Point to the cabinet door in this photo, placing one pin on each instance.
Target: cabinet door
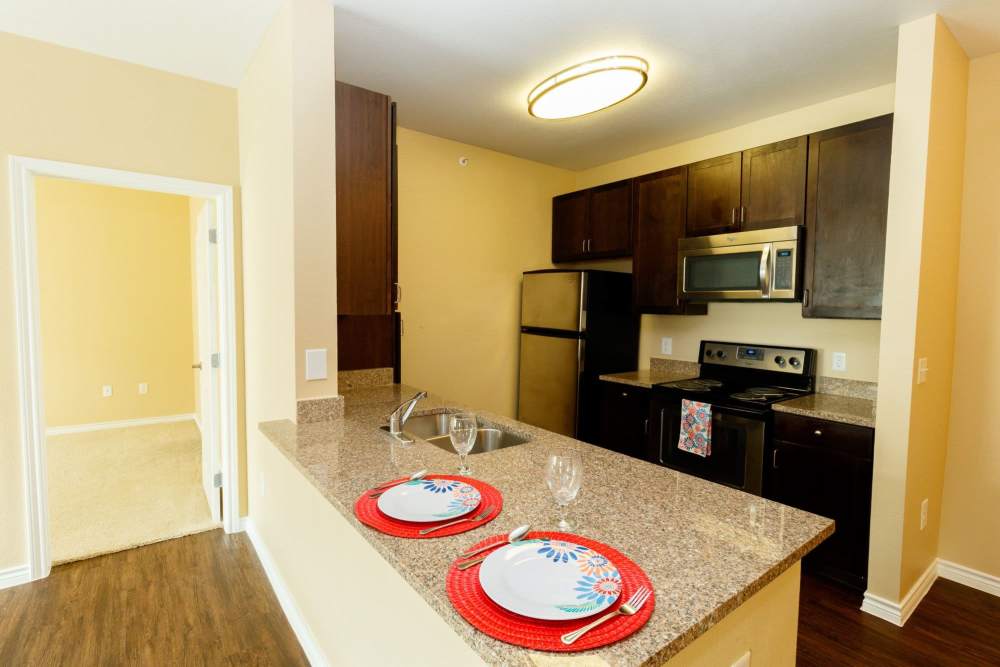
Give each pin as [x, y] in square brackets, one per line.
[714, 195]
[658, 223]
[847, 198]
[833, 485]
[774, 185]
[623, 418]
[364, 226]
[570, 214]
[610, 220]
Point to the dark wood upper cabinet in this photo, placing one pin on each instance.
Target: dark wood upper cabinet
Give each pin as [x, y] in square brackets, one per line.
[847, 198]
[593, 223]
[367, 324]
[570, 226]
[659, 213]
[714, 195]
[611, 219]
[774, 185]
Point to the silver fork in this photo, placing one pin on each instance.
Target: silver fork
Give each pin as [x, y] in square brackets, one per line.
[479, 517]
[633, 605]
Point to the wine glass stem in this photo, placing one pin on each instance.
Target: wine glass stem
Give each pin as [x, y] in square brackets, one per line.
[461, 464]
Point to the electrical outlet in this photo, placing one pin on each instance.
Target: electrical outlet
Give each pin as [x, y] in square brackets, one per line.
[666, 345]
[921, 370]
[744, 660]
[839, 361]
[923, 513]
[106, 391]
[143, 388]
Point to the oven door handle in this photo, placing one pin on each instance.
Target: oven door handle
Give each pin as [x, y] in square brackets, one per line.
[737, 411]
[765, 271]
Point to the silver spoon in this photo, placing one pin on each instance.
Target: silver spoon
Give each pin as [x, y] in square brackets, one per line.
[420, 474]
[513, 536]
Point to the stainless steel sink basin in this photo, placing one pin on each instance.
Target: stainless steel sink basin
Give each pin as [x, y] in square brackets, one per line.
[434, 429]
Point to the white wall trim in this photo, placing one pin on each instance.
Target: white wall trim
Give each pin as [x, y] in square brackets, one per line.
[123, 423]
[23, 171]
[981, 581]
[295, 618]
[900, 613]
[15, 576]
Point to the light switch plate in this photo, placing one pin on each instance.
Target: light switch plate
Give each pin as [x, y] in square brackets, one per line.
[923, 513]
[744, 660]
[316, 364]
[106, 391]
[840, 361]
[921, 370]
[143, 388]
[666, 345]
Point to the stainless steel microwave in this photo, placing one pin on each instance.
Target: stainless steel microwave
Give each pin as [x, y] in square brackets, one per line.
[759, 265]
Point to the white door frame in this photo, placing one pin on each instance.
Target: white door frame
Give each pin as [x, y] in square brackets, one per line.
[23, 172]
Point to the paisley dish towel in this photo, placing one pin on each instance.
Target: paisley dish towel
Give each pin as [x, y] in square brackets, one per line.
[696, 428]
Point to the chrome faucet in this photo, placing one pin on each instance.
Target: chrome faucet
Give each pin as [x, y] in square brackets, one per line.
[402, 413]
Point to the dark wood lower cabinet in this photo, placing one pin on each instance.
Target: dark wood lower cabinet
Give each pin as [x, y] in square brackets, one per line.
[623, 418]
[825, 468]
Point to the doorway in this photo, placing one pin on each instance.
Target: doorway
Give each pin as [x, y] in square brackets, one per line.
[211, 279]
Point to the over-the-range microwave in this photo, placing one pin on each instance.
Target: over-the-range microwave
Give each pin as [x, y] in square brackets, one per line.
[758, 265]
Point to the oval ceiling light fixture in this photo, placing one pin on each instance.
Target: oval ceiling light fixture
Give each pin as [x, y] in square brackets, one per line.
[588, 87]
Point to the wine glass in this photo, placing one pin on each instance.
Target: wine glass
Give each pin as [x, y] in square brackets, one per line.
[463, 429]
[564, 476]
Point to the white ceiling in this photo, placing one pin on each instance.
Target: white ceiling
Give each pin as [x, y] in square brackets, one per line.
[462, 69]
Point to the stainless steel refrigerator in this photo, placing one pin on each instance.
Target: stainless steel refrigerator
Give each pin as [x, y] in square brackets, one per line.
[575, 326]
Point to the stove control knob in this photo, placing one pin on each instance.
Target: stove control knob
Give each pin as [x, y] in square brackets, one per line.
[721, 354]
[780, 361]
[708, 354]
[794, 362]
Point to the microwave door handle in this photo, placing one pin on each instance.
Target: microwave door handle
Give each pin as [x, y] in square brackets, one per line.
[765, 271]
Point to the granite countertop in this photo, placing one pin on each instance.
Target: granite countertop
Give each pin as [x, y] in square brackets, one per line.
[844, 409]
[707, 548]
[647, 377]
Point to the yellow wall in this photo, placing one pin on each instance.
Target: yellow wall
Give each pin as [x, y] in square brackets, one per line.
[465, 236]
[925, 189]
[68, 105]
[114, 273]
[195, 206]
[970, 526]
[754, 322]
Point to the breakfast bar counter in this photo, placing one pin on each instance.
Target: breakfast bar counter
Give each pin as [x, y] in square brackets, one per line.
[708, 550]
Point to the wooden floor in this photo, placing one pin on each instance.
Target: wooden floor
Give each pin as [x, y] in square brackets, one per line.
[197, 600]
[205, 600]
[954, 625]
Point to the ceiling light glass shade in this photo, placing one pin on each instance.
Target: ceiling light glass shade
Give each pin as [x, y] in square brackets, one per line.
[588, 87]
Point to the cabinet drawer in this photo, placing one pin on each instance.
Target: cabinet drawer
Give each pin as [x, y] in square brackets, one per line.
[847, 438]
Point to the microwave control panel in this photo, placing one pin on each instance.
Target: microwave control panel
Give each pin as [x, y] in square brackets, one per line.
[784, 269]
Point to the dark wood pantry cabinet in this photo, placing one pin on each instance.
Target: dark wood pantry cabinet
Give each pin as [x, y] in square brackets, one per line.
[825, 467]
[847, 202]
[658, 223]
[592, 224]
[367, 321]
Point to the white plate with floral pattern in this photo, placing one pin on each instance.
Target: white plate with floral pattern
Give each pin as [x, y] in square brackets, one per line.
[550, 579]
[427, 500]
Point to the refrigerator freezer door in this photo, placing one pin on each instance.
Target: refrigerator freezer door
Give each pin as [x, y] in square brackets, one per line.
[550, 379]
[554, 300]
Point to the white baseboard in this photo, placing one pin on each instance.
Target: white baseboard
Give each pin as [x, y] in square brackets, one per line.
[981, 581]
[899, 613]
[299, 626]
[124, 423]
[15, 576]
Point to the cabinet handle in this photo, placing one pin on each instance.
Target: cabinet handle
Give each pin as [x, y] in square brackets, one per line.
[774, 459]
[732, 216]
[805, 300]
[743, 214]
[645, 426]
[583, 245]
[818, 432]
[399, 293]
[625, 394]
[589, 242]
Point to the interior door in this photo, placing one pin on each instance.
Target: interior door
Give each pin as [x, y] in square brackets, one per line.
[206, 297]
[549, 382]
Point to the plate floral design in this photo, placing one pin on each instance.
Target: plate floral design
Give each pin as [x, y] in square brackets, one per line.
[438, 485]
[561, 552]
[599, 583]
[430, 500]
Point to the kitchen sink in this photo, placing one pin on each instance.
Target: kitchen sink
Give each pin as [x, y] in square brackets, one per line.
[434, 429]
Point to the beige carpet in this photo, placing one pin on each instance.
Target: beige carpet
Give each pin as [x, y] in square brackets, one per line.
[121, 488]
